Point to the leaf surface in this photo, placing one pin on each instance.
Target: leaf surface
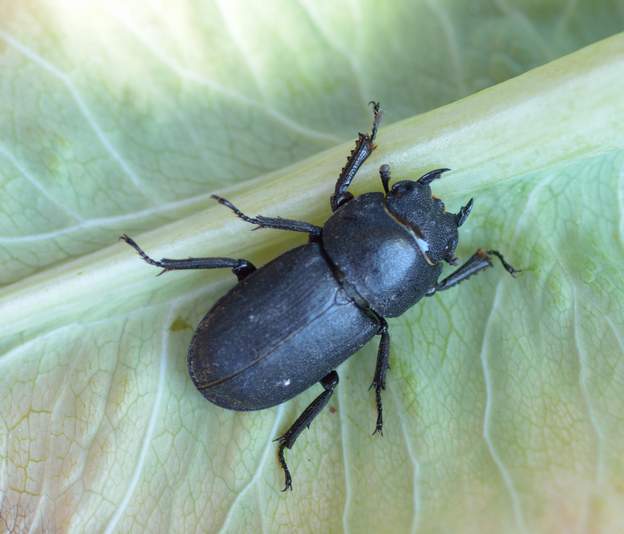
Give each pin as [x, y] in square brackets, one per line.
[503, 405]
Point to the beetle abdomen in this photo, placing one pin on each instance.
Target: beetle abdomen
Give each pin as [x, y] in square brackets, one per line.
[276, 333]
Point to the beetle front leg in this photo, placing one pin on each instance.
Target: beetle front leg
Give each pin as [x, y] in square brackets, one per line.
[287, 440]
[381, 368]
[363, 148]
[478, 262]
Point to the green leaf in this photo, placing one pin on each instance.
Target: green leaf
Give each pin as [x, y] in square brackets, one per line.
[121, 118]
[503, 405]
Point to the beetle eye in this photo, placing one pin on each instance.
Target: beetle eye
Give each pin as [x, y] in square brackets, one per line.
[451, 244]
[402, 187]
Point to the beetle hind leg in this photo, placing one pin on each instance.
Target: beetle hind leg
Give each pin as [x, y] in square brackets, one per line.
[241, 268]
[381, 368]
[287, 440]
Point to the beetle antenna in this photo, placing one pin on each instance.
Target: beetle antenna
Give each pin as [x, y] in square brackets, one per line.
[384, 174]
[429, 177]
[463, 213]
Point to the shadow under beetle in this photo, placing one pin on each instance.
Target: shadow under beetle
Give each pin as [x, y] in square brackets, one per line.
[290, 323]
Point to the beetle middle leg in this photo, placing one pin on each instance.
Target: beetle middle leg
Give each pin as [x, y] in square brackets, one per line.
[478, 262]
[287, 440]
[363, 148]
[381, 368]
[272, 222]
[241, 268]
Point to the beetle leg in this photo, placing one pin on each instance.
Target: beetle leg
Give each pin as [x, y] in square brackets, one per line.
[287, 440]
[478, 262]
[272, 222]
[241, 268]
[363, 147]
[379, 380]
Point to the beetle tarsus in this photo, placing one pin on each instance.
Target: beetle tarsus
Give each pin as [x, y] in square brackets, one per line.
[478, 262]
[379, 423]
[377, 116]
[282, 461]
[139, 250]
[507, 266]
[364, 146]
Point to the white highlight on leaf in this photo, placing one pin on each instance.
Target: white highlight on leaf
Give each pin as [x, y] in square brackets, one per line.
[454, 47]
[584, 385]
[620, 199]
[599, 474]
[514, 12]
[16, 352]
[487, 375]
[616, 333]
[232, 25]
[193, 76]
[4, 459]
[82, 106]
[151, 425]
[487, 417]
[311, 11]
[108, 221]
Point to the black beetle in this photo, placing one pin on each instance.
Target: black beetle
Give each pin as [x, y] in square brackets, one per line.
[289, 324]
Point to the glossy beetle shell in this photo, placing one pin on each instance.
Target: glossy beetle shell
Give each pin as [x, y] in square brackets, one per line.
[276, 333]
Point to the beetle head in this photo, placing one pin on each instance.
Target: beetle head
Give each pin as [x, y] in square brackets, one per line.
[436, 229]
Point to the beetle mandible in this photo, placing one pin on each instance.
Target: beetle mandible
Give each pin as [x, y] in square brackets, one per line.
[290, 324]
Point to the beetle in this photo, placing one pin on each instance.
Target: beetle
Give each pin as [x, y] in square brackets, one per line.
[289, 324]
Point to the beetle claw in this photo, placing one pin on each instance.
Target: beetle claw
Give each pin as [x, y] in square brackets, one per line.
[507, 266]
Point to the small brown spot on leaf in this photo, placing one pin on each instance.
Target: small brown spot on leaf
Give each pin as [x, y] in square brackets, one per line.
[332, 409]
[180, 324]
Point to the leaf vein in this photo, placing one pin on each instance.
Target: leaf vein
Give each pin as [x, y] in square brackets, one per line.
[82, 106]
[192, 76]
